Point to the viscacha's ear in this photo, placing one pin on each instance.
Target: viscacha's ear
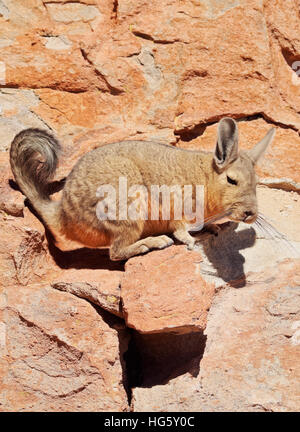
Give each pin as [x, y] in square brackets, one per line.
[259, 149]
[227, 143]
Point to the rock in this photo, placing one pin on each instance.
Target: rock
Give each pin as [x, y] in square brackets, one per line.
[71, 12]
[11, 201]
[11, 204]
[284, 34]
[236, 77]
[286, 184]
[44, 68]
[160, 73]
[60, 353]
[101, 287]
[24, 252]
[281, 209]
[172, 298]
[250, 358]
[57, 43]
[4, 11]
[57, 352]
[16, 114]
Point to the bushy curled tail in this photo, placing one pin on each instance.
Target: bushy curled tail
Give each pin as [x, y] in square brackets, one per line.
[34, 158]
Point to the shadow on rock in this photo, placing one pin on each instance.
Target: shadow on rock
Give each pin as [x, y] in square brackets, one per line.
[83, 258]
[155, 359]
[223, 253]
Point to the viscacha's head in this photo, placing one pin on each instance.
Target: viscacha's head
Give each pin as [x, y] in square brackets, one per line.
[234, 175]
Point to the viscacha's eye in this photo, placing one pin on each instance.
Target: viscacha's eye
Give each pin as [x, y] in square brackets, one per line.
[231, 180]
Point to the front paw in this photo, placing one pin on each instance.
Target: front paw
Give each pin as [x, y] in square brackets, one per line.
[190, 245]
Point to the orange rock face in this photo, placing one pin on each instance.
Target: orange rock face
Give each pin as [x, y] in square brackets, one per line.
[60, 354]
[173, 277]
[250, 358]
[99, 71]
[115, 70]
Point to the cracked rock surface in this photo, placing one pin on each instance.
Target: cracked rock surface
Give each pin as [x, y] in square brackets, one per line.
[217, 328]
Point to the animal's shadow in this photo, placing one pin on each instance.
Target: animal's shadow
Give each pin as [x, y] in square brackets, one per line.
[223, 253]
[83, 258]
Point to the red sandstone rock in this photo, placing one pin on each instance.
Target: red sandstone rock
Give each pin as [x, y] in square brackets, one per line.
[24, 253]
[101, 72]
[101, 287]
[250, 361]
[164, 291]
[58, 353]
[11, 201]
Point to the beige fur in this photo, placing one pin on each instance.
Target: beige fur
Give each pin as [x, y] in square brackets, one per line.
[34, 158]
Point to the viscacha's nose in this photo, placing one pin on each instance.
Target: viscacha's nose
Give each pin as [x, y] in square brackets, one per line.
[248, 215]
